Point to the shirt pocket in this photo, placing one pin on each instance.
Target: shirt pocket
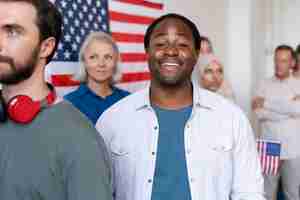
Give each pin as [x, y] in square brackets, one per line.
[221, 155]
[221, 164]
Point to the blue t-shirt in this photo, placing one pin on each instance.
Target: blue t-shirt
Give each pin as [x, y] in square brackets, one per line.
[91, 104]
[170, 177]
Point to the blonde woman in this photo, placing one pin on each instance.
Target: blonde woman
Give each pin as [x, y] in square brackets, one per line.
[98, 71]
[211, 76]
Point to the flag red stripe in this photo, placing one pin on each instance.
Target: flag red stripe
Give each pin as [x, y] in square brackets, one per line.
[133, 57]
[121, 17]
[64, 80]
[133, 77]
[60, 80]
[144, 3]
[127, 37]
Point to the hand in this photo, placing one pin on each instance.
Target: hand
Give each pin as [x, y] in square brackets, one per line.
[296, 98]
[258, 103]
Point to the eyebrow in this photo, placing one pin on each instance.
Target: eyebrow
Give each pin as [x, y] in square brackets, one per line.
[15, 26]
[164, 34]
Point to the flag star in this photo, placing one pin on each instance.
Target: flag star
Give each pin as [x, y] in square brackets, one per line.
[72, 30]
[67, 54]
[55, 55]
[99, 18]
[76, 23]
[89, 2]
[79, 1]
[90, 17]
[98, 4]
[68, 38]
[96, 26]
[94, 10]
[103, 12]
[82, 31]
[74, 47]
[66, 21]
[63, 4]
[85, 8]
[86, 24]
[104, 27]
[70, 13]
[80, 15]
[60, 46]
[77, 39]
[74, 5]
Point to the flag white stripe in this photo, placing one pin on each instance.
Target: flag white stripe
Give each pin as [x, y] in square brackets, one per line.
[122, 27]
[134, 9]
[131, 47]
[134, 67]
[62, 67]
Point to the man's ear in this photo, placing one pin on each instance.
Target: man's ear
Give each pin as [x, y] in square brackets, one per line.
[47, 47]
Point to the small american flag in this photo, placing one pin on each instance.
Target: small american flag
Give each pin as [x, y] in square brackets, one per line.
[125, 20]
[269, 154]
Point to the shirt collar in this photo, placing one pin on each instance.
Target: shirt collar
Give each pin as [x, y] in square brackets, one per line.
[201, 98]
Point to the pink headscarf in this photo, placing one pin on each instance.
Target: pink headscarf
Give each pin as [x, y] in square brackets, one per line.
[203, 62]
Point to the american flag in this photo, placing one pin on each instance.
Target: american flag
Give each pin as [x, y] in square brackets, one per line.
[125, 20]
[269, 154]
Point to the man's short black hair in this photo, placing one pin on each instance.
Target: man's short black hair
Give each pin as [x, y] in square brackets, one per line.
[287, 48]
[189, 23]
[49, 21]
[297, 49]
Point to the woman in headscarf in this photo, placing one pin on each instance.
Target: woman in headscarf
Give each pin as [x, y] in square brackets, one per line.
[98, 71]
[211, 76]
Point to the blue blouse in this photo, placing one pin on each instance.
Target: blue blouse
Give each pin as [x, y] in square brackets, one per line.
[92, 105]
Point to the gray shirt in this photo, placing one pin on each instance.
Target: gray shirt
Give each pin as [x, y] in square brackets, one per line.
[58, 156]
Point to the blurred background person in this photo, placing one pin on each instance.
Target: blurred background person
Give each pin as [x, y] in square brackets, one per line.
[98, 71]
[296, 71]
[211, 76]
[206, 46]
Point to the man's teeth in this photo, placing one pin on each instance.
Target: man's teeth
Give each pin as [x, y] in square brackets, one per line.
[171, 64]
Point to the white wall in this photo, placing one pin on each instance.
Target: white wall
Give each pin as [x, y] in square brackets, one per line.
[209, 16]
[236, 30]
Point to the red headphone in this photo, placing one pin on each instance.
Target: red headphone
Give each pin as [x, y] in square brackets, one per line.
[22, 109]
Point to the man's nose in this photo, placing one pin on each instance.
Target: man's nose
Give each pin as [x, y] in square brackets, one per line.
[172, 50]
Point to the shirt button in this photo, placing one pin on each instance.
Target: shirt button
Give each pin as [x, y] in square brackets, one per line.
[188, 151]
[192, 180]
[149, 180]
[156, 128]
[188, 126]
[153, 153]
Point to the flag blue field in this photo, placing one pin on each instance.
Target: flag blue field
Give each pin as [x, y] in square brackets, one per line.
[269, 154]
[125, 20]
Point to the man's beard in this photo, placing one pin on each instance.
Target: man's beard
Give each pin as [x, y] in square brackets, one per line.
[19, 72]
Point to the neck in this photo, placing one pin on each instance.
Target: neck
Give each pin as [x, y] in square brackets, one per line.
[101, 89]
[282, 78]
[297, 74]
[34, 87]
[172, 97]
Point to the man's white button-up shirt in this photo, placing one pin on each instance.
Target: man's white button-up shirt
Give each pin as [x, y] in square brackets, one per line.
[221, 155]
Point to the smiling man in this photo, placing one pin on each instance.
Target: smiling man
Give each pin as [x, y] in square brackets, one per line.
[174, 140]
[48, 150]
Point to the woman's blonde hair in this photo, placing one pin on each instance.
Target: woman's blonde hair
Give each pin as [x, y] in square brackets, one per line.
[81, 74]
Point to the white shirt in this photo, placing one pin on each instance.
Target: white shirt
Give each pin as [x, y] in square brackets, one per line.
[280, 116]
[220, 149]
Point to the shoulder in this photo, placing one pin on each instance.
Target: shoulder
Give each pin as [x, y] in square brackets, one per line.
[123, 108]
[224, 115]
[121, 92]
[81, 90]
[65, 116]
[221, 107]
